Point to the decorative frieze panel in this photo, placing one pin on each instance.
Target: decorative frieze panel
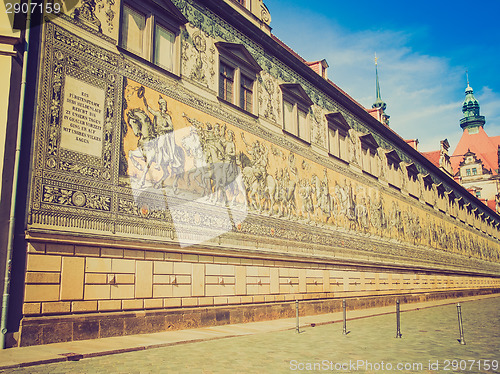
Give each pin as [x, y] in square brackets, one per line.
[100, 17]
[126, 153]
[269, 97]
[199, 58]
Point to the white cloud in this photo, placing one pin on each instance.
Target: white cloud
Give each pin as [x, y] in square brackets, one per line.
[423, 93]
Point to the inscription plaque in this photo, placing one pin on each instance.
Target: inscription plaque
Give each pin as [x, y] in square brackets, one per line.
[83, 117]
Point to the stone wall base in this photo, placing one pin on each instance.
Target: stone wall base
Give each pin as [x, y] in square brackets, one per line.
[55, 329]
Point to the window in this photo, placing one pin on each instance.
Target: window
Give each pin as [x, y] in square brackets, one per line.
[246, 92]
[428, 194]
[474, 171]
[393, 174]
[296, 105]
[369, 155]
[412, 185]
[295, 120]
[237, 75]
[303, 130]
[134, 31]
[338, 128]
[467, 172]
[226, 82]
[152, 33]
[478, 194]
[164, 48]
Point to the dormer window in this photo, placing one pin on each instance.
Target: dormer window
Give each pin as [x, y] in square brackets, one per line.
[369, 157]
[151, 31]
[338, 130]
[320, 67]
[393, 163]
[412, 185]
[237, 75]
[296, 105]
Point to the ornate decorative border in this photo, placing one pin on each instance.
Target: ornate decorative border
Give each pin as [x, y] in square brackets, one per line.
[82, 192]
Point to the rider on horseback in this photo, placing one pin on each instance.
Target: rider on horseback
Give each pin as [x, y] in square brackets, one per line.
[164, 130]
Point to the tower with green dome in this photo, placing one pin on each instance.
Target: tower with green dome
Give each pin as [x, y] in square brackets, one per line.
[472, 119]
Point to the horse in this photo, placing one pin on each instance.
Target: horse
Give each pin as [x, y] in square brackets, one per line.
[260, 187]
[176, 171]
[142, 127]
[147, 150]
[202, 169]
[285, 194]
[324, 200]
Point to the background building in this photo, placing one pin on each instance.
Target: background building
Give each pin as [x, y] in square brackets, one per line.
[476, 157]
[187, 168]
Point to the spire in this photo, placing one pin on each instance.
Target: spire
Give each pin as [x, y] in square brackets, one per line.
[470, 108]
[379, 103]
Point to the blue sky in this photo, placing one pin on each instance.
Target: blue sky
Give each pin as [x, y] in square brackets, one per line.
[423, 50]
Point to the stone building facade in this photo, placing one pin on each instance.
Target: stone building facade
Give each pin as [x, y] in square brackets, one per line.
[188, 169]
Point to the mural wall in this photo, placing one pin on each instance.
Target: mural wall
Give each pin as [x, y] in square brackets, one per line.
[148, 192]
[173, 148]
[127, 152]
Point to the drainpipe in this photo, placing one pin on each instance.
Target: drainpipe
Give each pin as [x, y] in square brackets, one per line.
[10, 242]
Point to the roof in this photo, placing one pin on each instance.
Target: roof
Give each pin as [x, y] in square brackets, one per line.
[432, 156]
[492, 204]
[370, 111]
[482, 145]
[295, 54]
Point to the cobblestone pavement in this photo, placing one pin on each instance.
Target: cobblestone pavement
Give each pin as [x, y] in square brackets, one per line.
[428, 345]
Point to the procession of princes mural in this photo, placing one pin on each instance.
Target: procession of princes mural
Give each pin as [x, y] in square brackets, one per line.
[195, 156]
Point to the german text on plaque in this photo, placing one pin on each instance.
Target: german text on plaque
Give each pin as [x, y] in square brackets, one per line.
[82, 117]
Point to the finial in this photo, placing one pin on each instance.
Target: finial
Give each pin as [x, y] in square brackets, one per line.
[379, 103]
[468, 88]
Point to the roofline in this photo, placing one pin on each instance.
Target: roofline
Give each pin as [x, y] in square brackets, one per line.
[275, 47]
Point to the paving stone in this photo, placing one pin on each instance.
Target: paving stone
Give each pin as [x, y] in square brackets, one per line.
[429, 338]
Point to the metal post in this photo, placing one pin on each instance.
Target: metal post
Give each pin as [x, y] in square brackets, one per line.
[460, 325]
[297, 316]
[15, 178]
[344, 330]
[398, 321]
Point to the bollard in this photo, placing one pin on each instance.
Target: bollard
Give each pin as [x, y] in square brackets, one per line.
[461, 340]
[398, 321]
[344, 331]
[297, 316]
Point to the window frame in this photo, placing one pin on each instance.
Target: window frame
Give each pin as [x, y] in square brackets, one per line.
[294, 94]
[338, 132]
[244, 91]
[224, 78]
[245, 68]
[370, 161]
[412, 184]
[394, 166]
[157, 14]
